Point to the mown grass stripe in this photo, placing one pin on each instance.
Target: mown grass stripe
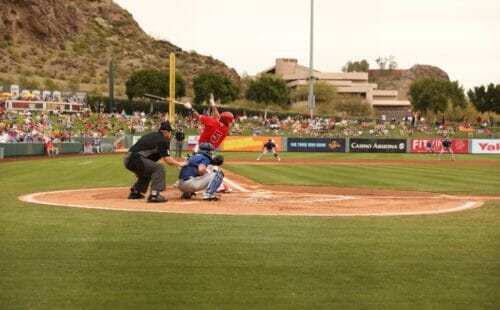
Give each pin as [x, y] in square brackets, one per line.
[434, 178]
[55, 258]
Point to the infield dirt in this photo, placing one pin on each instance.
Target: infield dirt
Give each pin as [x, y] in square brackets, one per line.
[250, 198]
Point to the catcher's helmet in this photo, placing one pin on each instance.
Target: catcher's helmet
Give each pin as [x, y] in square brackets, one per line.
[226, 118]
[206, 148]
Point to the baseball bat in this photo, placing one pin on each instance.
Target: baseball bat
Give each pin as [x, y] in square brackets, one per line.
[156, 97]
[162, 98]
[210, 105]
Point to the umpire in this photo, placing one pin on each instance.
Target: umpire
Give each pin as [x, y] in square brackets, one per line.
[142, 159]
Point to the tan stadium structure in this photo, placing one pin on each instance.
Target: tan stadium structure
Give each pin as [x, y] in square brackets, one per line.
[354, 83]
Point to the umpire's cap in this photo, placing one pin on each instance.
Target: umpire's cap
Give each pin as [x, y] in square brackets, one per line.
[166, 126]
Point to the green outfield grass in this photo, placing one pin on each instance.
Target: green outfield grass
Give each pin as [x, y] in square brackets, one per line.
[56, 257]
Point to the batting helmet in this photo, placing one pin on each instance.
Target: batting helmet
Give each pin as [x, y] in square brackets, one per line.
[226, 118]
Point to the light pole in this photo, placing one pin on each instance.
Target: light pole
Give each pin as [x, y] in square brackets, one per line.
[111, 74]
[310, 98]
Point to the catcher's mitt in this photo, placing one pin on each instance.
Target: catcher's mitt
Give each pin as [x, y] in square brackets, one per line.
[218, 160]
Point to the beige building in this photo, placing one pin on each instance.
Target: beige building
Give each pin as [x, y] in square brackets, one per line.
[382, 101]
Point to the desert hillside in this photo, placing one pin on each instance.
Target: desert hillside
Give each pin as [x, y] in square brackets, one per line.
[401, 80]
[68, 44]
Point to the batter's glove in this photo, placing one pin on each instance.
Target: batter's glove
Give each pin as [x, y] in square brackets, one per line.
[212, 101]
[218, 160]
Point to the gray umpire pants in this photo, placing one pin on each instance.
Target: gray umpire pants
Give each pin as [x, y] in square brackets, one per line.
[153, 173]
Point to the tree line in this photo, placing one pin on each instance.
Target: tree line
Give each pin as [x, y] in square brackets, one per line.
[426, 95]
[266, 89]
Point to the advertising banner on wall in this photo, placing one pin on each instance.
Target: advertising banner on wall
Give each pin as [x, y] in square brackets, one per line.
[485, 146]
[315, 145]
[249, 144]
[377, 145]
[458, 146]
[192, 142]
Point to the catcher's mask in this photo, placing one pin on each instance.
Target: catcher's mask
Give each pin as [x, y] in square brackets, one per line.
[206, 148]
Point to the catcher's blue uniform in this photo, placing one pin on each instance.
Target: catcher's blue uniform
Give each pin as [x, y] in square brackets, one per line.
[190, 179]
[191, 169]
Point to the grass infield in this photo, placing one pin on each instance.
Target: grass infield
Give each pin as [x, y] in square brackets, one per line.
[56, 257]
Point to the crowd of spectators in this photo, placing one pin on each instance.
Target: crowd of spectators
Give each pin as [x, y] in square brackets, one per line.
[329, 127]
[52, 97]
[43, 126]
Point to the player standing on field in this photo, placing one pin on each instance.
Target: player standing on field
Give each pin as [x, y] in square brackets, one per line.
[179, 142]
[446, 147]
[269, 146]
[429, 147]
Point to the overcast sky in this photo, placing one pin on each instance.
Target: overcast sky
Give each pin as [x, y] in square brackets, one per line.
[462, 37]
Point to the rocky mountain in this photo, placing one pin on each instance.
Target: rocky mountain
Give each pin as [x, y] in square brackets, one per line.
[401, 80]
[68, 44]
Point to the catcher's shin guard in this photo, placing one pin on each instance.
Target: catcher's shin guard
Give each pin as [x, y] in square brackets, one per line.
[215, 183]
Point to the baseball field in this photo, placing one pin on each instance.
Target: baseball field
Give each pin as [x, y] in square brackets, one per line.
[436, 246]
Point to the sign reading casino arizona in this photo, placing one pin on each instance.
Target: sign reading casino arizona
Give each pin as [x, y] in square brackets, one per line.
[377, 145]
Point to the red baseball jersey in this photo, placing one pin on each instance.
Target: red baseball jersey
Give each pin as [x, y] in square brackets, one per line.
[215, 132]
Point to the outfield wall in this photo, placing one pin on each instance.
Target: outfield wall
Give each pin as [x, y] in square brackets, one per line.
[38, 149]
[351, 145]
[283, 144]
[458, 146]
[485, 146]
[315, 145]
[34, 149]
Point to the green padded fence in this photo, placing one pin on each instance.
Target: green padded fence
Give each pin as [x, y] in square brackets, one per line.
[29, 149]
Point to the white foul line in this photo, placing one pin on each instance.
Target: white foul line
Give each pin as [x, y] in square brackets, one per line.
[233, 184]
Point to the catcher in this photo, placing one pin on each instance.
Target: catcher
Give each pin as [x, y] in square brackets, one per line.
[198, 174]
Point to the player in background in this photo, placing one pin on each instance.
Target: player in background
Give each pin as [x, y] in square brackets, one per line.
[179, 142]
[429, 147]
[269, 146]
[446, 147]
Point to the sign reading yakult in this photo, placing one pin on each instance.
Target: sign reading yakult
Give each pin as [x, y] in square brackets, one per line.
[460, 146]
[486, 146]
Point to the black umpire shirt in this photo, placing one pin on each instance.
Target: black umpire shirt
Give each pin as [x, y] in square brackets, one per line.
[152, 146]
